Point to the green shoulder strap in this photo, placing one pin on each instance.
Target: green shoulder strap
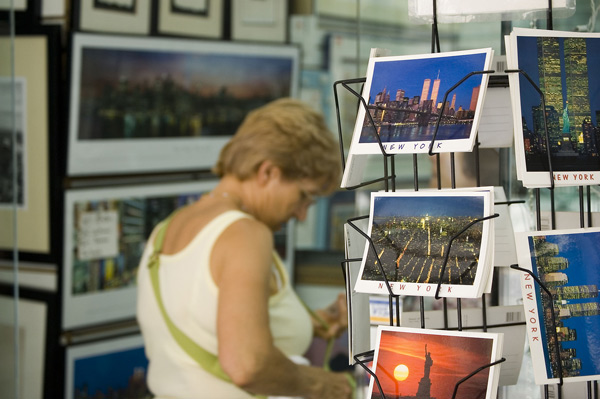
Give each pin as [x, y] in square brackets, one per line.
[205, 359]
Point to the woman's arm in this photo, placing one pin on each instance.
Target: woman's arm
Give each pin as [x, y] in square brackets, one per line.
[241, 266]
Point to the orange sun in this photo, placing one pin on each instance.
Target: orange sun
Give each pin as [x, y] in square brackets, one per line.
[401, 372]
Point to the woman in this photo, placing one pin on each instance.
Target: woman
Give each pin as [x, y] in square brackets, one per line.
[220, 280]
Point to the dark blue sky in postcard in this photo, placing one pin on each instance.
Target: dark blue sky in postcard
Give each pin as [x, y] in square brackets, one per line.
[244, 73]
[409, 75]
[581, 250]
[428, 205]
[108, 370]
[528, 61]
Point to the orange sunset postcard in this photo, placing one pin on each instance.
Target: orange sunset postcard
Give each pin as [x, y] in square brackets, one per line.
[427, 364]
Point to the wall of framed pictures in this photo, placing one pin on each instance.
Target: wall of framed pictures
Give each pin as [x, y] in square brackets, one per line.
[104, 129]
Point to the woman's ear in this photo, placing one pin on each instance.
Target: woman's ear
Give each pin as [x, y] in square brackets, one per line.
[267, 170]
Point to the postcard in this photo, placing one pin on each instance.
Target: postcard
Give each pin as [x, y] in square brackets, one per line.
[422, 363]
[410, 233]
[567, 263]
[411, 98]
[562, 65]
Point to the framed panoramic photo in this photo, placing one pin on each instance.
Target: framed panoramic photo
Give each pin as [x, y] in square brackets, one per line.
[567, 263]
[572, 100]
[104, 237]
[192, 18]
[141, 105]
[409, 100]
[38, 343]
[423, 363]
[411, 233]
[109, 16]
[259, 20]
[29, 145]
[115, 367]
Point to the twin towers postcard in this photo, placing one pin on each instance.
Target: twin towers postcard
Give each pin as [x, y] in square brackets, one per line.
[409, 99]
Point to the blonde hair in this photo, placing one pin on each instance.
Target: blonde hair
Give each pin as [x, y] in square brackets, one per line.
[290, 134]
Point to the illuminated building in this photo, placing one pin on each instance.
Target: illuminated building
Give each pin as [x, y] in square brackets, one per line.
[474, 97]
[425, 91]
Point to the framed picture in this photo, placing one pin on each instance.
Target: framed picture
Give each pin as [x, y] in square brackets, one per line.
[31, 135]
[135, 101]
[110, 16]
[194, 18]
[38, 343]
[259, 20]
[423, 363]
[105, 233]
[114, 367]
[27, 12]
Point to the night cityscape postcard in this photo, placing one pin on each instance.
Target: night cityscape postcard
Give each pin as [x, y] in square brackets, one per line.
[411, 232]
[406, 94]
[413, 363]
[564, 65]
[567, 263]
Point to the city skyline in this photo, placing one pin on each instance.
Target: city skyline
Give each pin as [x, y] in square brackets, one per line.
[568, 265]
[449, 70]
[564, 69]
[405, 95]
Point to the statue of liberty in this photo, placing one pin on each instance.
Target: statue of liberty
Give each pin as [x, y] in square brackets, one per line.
[424, 390]
[567, 147]
[565, 117]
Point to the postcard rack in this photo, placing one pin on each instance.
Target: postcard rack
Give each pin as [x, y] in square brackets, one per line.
[389, 184]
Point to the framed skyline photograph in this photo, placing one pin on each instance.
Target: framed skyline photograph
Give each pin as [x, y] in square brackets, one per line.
[110, 16]
[411, 232]
[114, 367]
[567, 263]
[405, 96]
[135, 101]
[192, 18]
[422, 363]
[105, 232]
[563, 65]
[37, 149]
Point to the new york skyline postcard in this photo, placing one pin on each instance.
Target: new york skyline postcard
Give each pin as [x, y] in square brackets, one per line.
[412, 363]
[405, 96]
[411, 232]
[567, 263]
[564, 65]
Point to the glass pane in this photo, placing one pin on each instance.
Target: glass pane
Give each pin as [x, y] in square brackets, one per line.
[9, 335]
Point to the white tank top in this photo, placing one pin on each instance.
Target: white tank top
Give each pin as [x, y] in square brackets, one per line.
[190, 298]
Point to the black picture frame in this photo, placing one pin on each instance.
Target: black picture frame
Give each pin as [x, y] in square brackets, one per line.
[27, 16]
[37, 60]
[106, 17]
[207, 21]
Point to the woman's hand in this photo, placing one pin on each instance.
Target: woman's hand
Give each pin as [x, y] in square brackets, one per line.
[332, 321]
